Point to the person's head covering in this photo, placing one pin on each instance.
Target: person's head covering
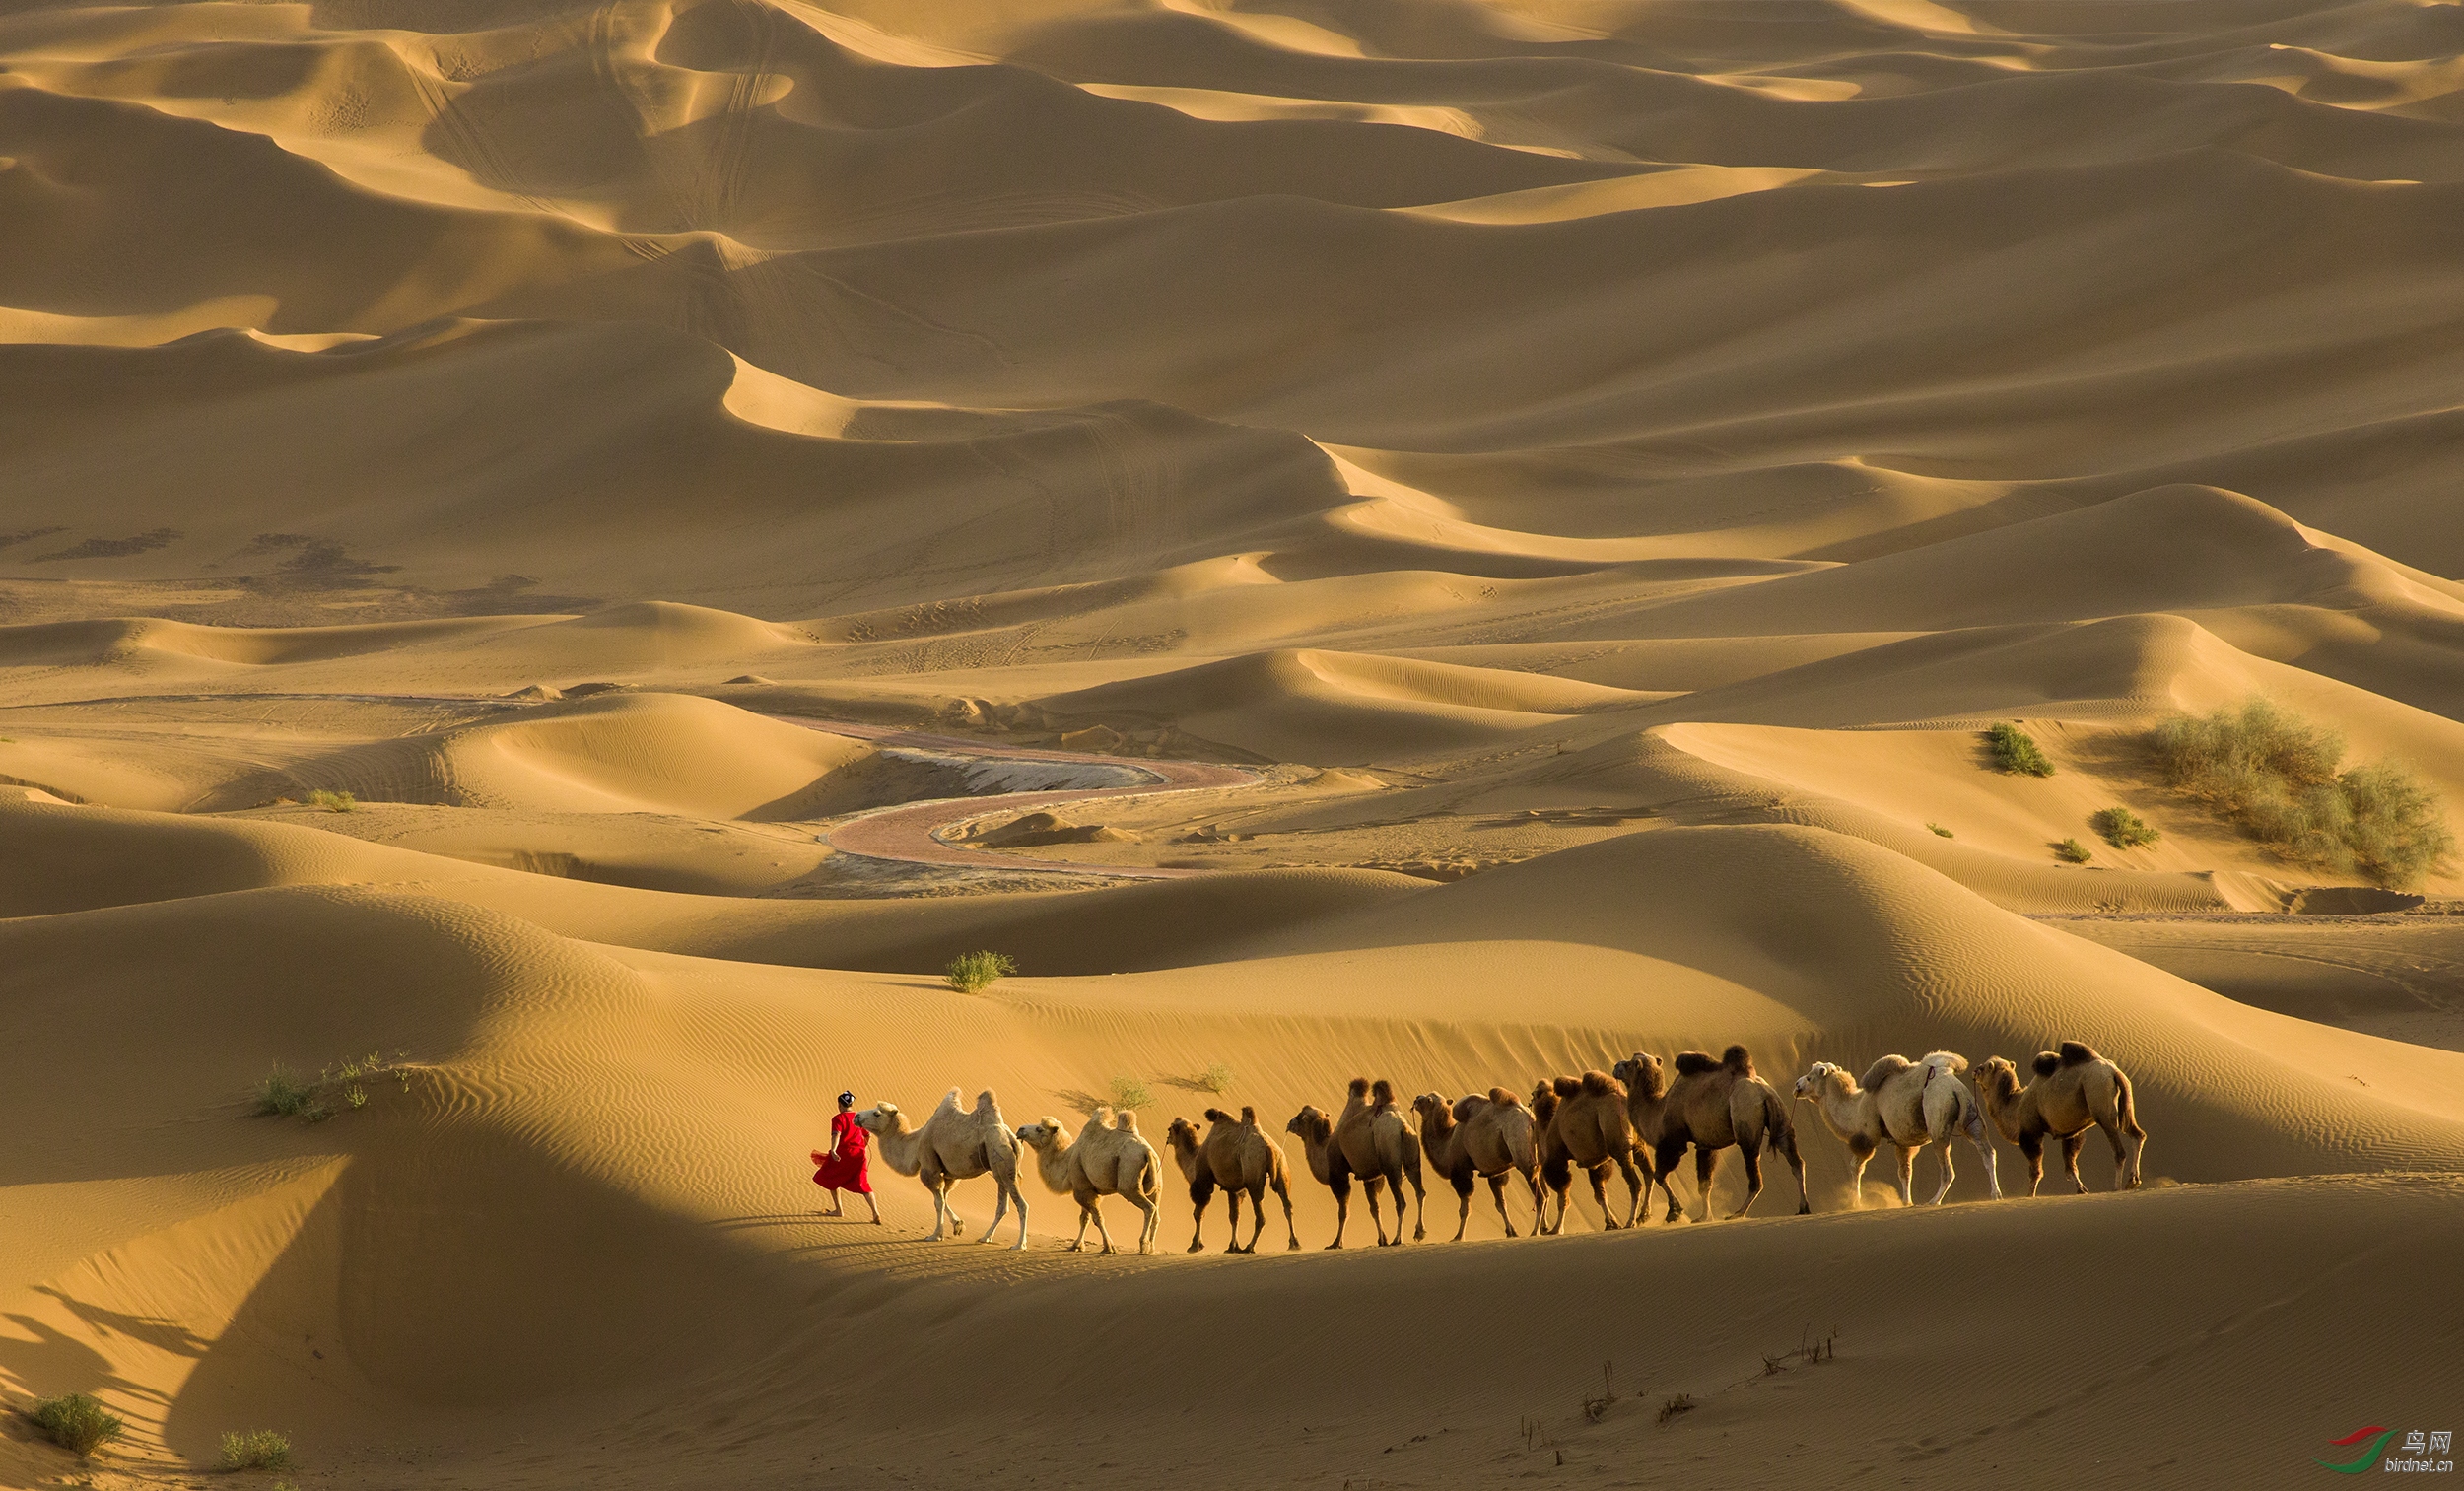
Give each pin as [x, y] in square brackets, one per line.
[847, 1099]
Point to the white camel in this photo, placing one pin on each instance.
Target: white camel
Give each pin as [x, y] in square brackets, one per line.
[1106, 1158]
[954, 1144]
[1907, 1105]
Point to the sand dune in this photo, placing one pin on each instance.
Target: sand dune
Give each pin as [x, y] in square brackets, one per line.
[1494, 526]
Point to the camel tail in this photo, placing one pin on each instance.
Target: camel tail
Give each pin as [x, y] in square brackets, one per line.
[2127, 1106]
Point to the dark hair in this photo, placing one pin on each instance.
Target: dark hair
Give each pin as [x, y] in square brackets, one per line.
[847, 1099]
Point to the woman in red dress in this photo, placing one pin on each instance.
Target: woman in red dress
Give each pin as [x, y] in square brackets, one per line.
[843, 1167]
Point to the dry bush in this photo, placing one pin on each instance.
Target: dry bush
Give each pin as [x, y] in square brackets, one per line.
[2275, 774]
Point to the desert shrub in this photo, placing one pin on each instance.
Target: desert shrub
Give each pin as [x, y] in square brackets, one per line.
[1129, 1092]
[1940, 830]
[974, 973]
[2016, 751]
[2072, 852]
[2275, 774]
[333, 802]
[256, 1450]
[285, 1094]
[2123, 828]
[76, 1422]
[1216, 1078]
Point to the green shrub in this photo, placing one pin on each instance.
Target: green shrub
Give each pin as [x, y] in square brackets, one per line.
[1129, 1093]
[1940, 830]
[76, 1422]
[1216, 1078]
[2123, 828]
[256, 1450]
[285, 1094]
[2015, 752]
[974, 973]
[2275, 774]
[2072, 852]
[333, 802]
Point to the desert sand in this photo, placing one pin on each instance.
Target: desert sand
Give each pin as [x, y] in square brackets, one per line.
[1441, 540]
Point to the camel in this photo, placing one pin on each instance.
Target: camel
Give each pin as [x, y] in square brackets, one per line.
[1371, 1139]
[1714, 1103]
[1107, 1159]
[2072, 1088]
[1238, 1156]
[1582, 1122]
[1488, 1136]
[1907, 1105]
[954, 1144]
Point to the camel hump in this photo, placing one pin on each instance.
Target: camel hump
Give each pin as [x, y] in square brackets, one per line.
[1598, 1083]
[1359, 1087]
[1469, 1103]
[1566, 1087]
[1218, 1116]
[1126, 1121]
[1693, 1063]
[2079, 1054]
[1735, 1061]
[2045, 1064]
[1503, 1098]
[1381, 1091]
[1249, 1118]
[1884, 1070]
[1947, 1063]
[987, 1105]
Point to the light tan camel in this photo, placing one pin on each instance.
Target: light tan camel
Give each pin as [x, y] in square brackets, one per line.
[2072, 1088]
[1106, 1158]
[954, 1144]
[1241, 1158]
[1370, 1140]
[1485, 1136]
[1582, 1122]
[1907, 1105]
[1714, 1103]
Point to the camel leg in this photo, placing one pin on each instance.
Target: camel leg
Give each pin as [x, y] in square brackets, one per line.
[1704, 1160]
[1558, 1176]
[946, 1222]
[1664, 1158]
[1001, 1209]
[1232, 1201]
[2125, 1171]
[1860, 1155]
[1948, 1173]
[1985, 1151]
[2069, 1162]
[1285, 1192]
[1539, 1199]
[1907, 1172]
[1496, 1193]
[1600, 1195]
[1461, 1181]
[1372, 1185]
[2033, 1148]
[1342, 1185]
[1201, 1191]
[1787, 1142]
[1090, 1206]
[1150, 1217]
[1020, 1198]
[1637, 1189]
[1419, 1206]
[1751, 1154]
[1078, 1243]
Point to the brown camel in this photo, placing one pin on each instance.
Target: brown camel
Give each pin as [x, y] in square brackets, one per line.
[2073, 1089]
[1371, 1139]
[1582, 1122]
[1239, 1157]
[1485, 1136]
[1714, 1103]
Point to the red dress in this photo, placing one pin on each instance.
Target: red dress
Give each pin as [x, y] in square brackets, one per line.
[846, 1170]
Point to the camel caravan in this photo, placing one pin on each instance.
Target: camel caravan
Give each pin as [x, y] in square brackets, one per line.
[1634, 1121]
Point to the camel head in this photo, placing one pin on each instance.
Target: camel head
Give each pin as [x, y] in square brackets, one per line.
[1181, 1135]
[1641, 1074]
[1998, 1077]
[880, 1118]
[1816, 1075]
[1433, 1109]
[1311, 1124]
[1045, 1133]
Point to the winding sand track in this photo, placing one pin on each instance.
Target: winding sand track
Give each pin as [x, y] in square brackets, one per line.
[912, 831]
